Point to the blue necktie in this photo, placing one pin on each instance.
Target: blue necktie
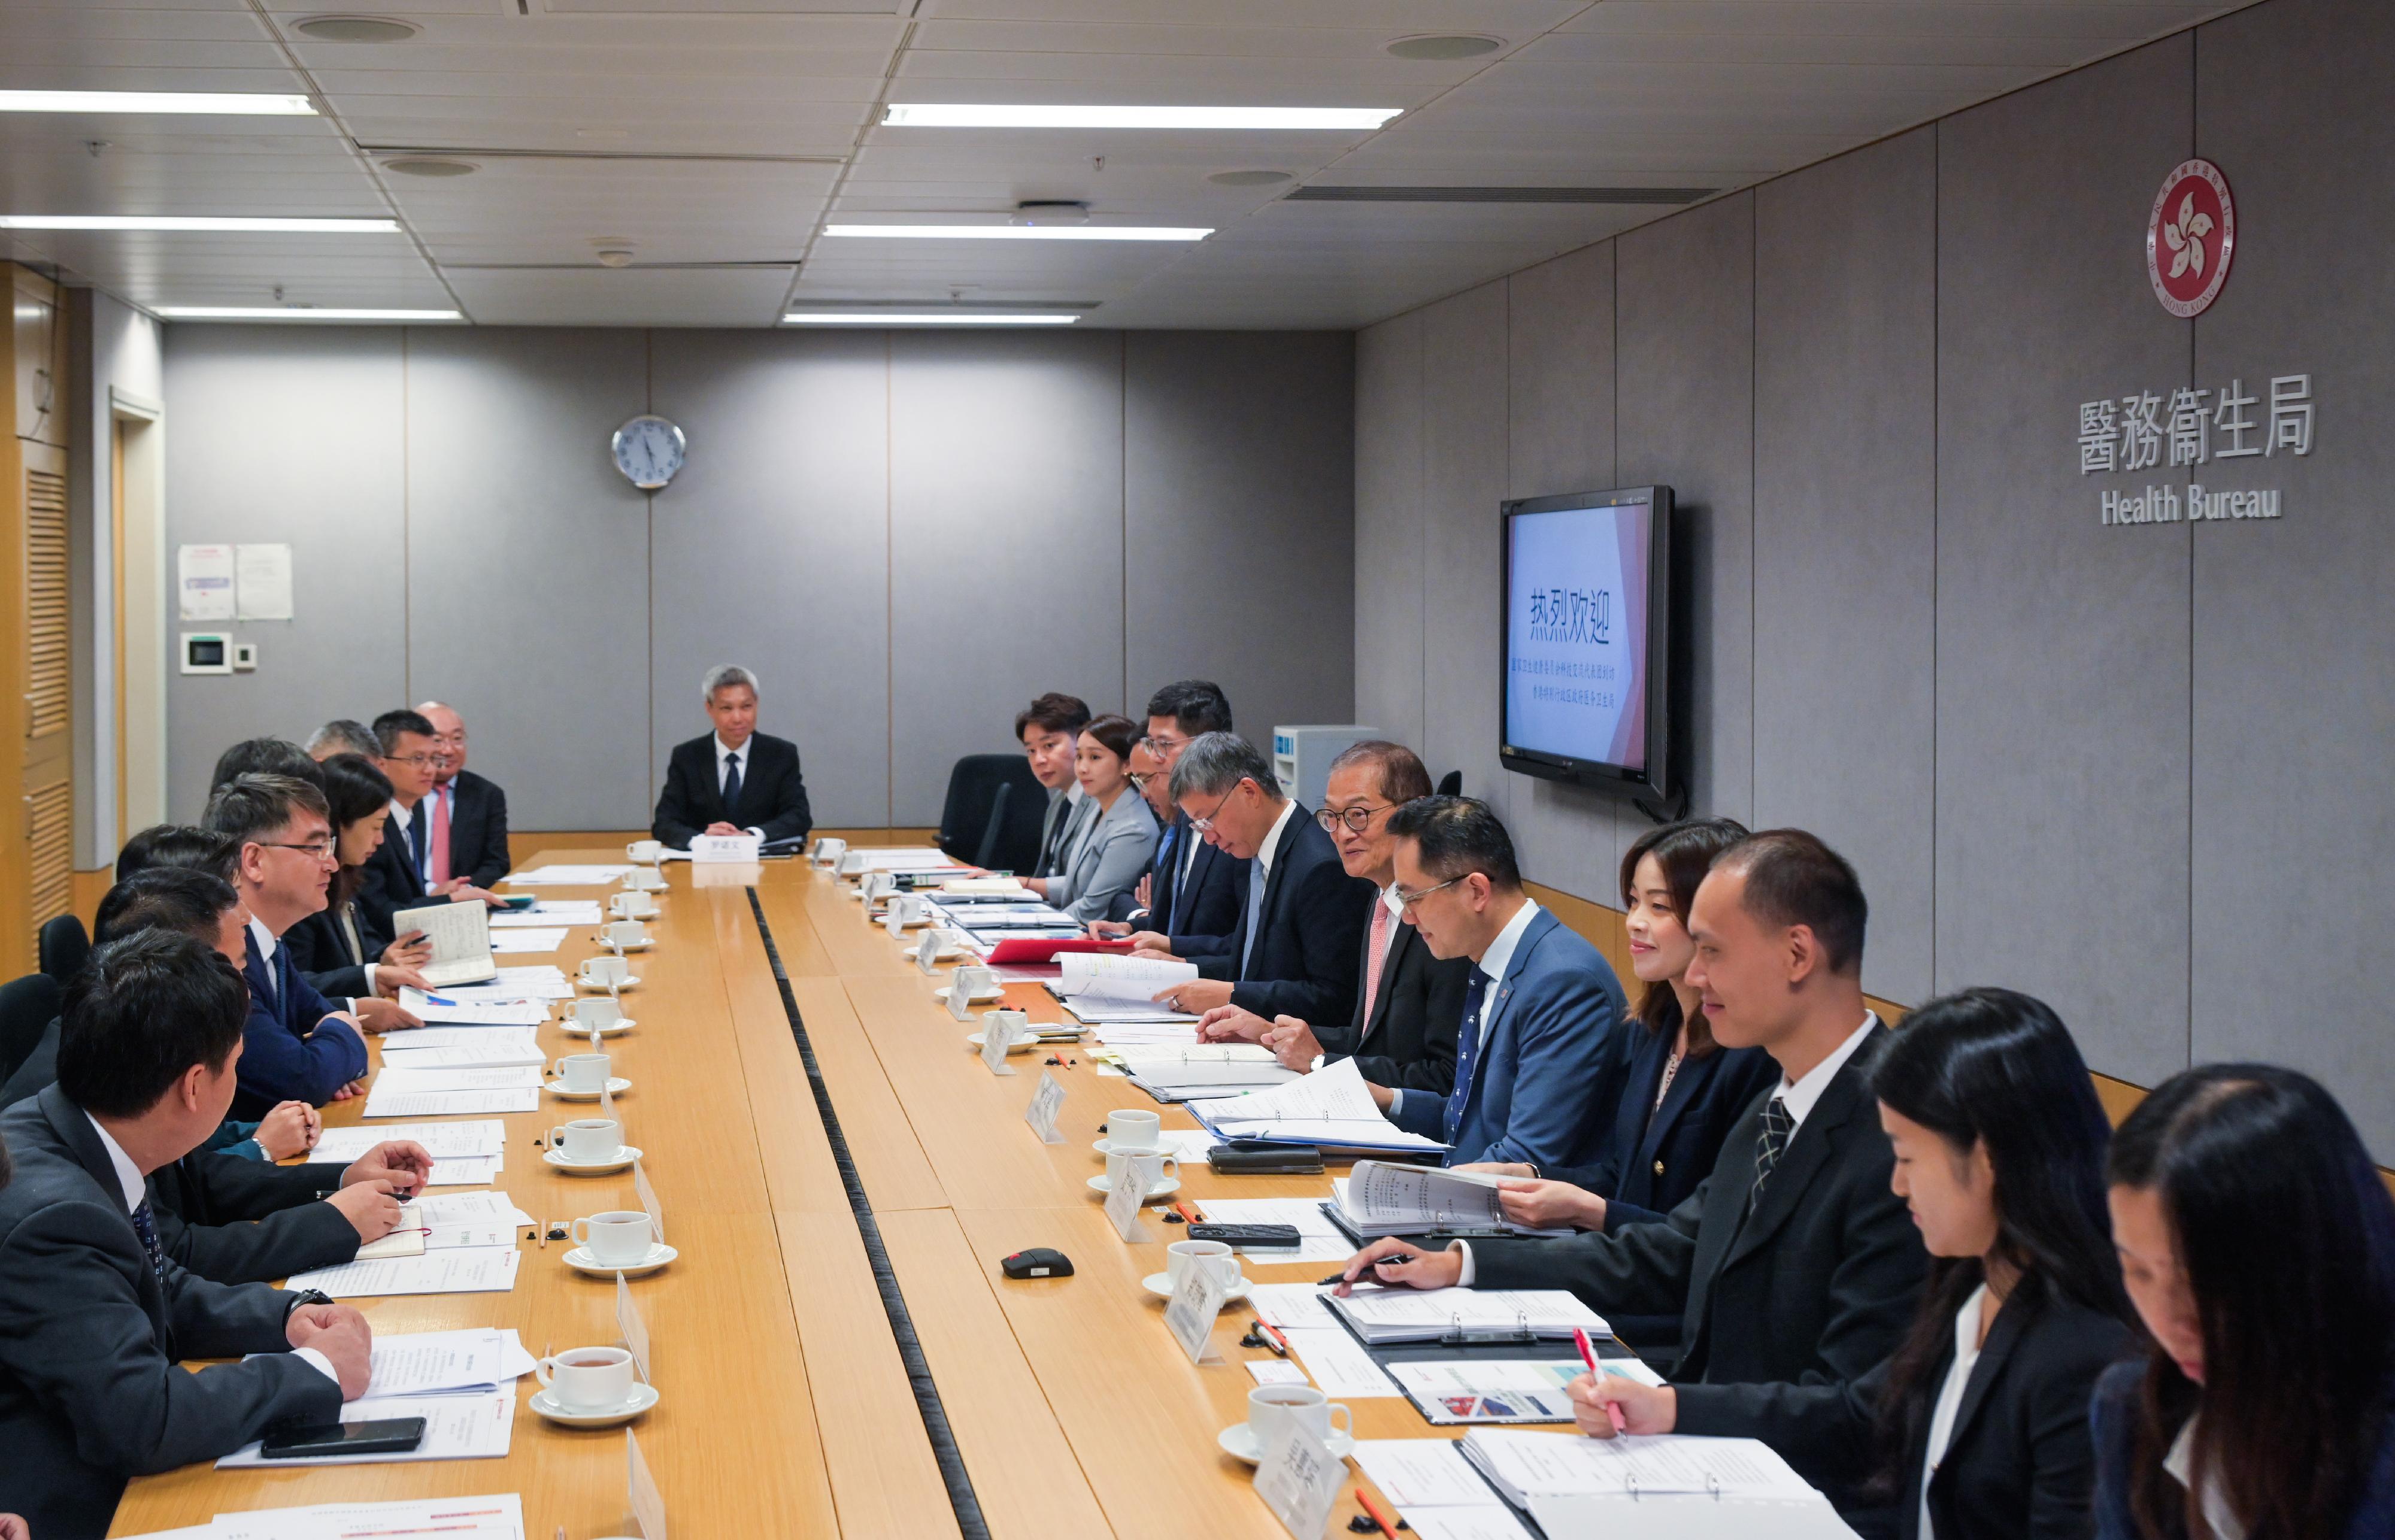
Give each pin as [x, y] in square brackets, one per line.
[417, 818]
[1255, 912]
[731, 786]
[282, 967]
[146, 1226]
[1468, 1053]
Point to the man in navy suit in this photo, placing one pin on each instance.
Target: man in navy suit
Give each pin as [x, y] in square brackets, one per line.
[1195, 888]
[735, 780]
[1300, 936]
[1541, 1049]
[297, 1045]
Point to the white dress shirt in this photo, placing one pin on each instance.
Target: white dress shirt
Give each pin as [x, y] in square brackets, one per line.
[723, 771]
[1950, 1395]
[2181, 1461]
[1493, 963]
[133, 1190]
[1264, 857]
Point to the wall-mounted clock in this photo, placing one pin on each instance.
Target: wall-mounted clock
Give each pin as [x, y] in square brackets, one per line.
[649, 451]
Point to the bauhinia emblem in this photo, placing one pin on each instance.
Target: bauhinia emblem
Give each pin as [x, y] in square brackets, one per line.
[2191, 236]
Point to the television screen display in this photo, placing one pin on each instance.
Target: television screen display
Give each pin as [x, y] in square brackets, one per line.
[1587, 602]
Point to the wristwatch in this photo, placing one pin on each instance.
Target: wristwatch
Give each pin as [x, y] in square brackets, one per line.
[305, 1297]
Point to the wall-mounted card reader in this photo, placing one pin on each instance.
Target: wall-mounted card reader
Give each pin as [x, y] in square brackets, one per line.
[207, 653]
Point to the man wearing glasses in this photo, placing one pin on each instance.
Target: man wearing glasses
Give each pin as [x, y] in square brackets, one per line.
[1300, 936]
[466, 844]
[1195, 889]
[399, 874]
[1403, 1030]
[295, 1045]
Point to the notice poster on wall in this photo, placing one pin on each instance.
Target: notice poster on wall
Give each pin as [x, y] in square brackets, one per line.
[263, 579]
[204, 579]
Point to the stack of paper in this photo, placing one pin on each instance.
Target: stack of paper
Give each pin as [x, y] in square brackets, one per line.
[1178, 1072]
[474, 1269]
[493, 1518]
[463, 1153]
[475, 1050]
[1436, 1491]
[978, 888]
[568, 876]
[904, 859]
[1381, 1316]
[1331, 1107]
[472, 1008]
[453, 1093]
[1380, 1199]
[529, 938]
[548, 911]
[439, 1224]
[462, 1383]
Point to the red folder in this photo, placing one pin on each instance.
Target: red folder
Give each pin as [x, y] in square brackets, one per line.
[1021, 949]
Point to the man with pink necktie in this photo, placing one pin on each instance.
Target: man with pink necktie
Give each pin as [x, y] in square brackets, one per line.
[1411, 1006]
[468, 814]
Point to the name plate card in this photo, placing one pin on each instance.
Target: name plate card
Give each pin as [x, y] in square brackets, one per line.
[1046, 1103]
[640, 1492]
[827, 851]
[1299, 1480]
[849, 863]
[893, 920]
[707, 849]
[636, 1331]
[1124, 1201]
[1190, 1313]
[648, 1196]
[959, 1000]
[996, 1036]
[927, 950]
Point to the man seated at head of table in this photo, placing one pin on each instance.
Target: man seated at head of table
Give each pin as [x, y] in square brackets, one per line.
[1295, 948]
[1194, 889]
[1794, 1263]
[300, 1046]
[734, 780]
[95, 1315]
[1402, 1032]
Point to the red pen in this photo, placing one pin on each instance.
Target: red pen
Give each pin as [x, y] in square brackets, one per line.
[1388, 1525]
[1588, 1356]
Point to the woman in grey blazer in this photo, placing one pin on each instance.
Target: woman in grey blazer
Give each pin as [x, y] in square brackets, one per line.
[1117, 839]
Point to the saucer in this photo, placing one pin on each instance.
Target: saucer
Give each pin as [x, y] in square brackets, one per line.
[995, 992]
[580, 1260]
[625, 1155]
[626, 946]
[1102, 1184]
[621, 1024]
[1019, 1046]
[617, 1086]
[632, 981]
[1238, 1441]
[643, 1397]
[1108, 1147]
[1160, 1285]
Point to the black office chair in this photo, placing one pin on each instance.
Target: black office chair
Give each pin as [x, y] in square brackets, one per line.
[63, 947]
[1451, 784]
[27, 1007]
[993, 812]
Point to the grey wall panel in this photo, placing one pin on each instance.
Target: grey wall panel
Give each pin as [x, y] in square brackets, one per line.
[282, 435]
[1389, 534]
[1463, 481]
[2295, 638]
[1845, 528]
[528, 564]
[773, 550]
[1559, 438]
[1686, 389]
[2062, 646]
[1006, 478]
[1238, 456]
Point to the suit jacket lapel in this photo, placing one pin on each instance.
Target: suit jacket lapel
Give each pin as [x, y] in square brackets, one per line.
[74, 1130]
[2002, 1336]
[1692, 1076]
[1807, 1153]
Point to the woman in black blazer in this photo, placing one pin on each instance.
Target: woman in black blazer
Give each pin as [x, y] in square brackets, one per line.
[332, 947]
[1977, 1428]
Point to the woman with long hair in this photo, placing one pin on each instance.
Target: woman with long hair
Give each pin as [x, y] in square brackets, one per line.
[1977, 1425]
[2258, 1243]
[335, 948]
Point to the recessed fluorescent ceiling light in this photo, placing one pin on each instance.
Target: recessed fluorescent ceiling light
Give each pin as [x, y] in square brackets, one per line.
[1023, 233]
[917, 115]
[245, 103]
[927, 318]
[197, 222]
[297, 312]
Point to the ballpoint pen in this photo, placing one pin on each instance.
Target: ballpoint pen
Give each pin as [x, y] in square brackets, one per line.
[1588, 1356]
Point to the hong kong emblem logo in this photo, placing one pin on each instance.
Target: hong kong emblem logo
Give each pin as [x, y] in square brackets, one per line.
[2191, 235]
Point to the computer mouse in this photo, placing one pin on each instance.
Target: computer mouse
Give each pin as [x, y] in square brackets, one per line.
[1037, 1262]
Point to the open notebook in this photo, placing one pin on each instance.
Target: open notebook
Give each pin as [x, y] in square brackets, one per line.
[460, 934]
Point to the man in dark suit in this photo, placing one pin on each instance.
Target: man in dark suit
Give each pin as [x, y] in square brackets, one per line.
[467, 846]
[1794, 1263]
[96, 1315]
[1295, 948]
[1195, 888]
[735, 780]
[400, 874]
[300, 1045]
[1403, 1031]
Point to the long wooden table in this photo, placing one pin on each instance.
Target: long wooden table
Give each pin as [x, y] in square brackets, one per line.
[785, 1405]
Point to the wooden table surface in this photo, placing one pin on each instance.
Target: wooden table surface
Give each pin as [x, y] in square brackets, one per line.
[785, 1407]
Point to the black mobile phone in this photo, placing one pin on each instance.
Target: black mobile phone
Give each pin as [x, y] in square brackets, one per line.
[1251, 1237]
[315, 1440]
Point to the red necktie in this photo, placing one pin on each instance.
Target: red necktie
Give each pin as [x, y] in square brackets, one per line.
[1376, 952]
[439, 858]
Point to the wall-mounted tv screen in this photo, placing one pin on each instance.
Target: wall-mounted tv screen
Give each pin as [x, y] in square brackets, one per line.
[1587, 633]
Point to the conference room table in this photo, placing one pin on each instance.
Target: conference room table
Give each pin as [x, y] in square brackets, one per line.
[785, 1403]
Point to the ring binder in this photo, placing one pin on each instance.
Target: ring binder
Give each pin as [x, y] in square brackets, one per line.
[1460, 1335]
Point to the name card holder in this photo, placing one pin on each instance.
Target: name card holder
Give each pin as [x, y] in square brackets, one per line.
[649, 1204]
[1046, 1102]
[996, 1036]
[1299, 1480]
[1190, 1313]
[711, 849]
[640, 1493]
[1123, 1203]
[635, 1331]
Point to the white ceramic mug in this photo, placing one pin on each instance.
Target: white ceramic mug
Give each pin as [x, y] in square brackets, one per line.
[1272, 1406]
[912, 909]
[587, 1379]
[631, 904]
[647, 879]
[582, 1072]
[590, 1016]
[618, 1237]
[974, 981]
[646, 852]
[605, 970]
[1182, 1255]
[627, 932]
[876, 884]
[1132, 1128]
[1119, 1163]
[828, 851]
[849, 863]
[587, 1141]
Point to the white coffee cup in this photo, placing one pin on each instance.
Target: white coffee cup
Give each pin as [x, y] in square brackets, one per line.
[1182, 1255]
[587, 1379]
[593, 1014]
[582, 1072]
[627, 932]
[647, 879]
[587, 1141]
[828, 851]
[1118, 1167]
[631, 904]
[849, 863]
[1271, 1407]
[912, 909]
[946, 941]
[646, 852]
[1132, 1128]
[974, 981]
[605, 970]
[876, 884]
[616, 1238]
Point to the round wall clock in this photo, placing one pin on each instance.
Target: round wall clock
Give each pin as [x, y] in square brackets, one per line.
[649, 451]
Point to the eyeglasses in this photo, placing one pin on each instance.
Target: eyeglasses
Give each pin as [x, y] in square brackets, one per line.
[1140, 778]
[1206, 824]
[1165, 747]
[321, 849]
[1408, 900]
[1357, 818]
[419, 761]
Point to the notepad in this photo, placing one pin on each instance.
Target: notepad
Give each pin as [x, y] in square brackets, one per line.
[460, 938]
[1330, 1107]
[1382, 1316]
[1379, 1197]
